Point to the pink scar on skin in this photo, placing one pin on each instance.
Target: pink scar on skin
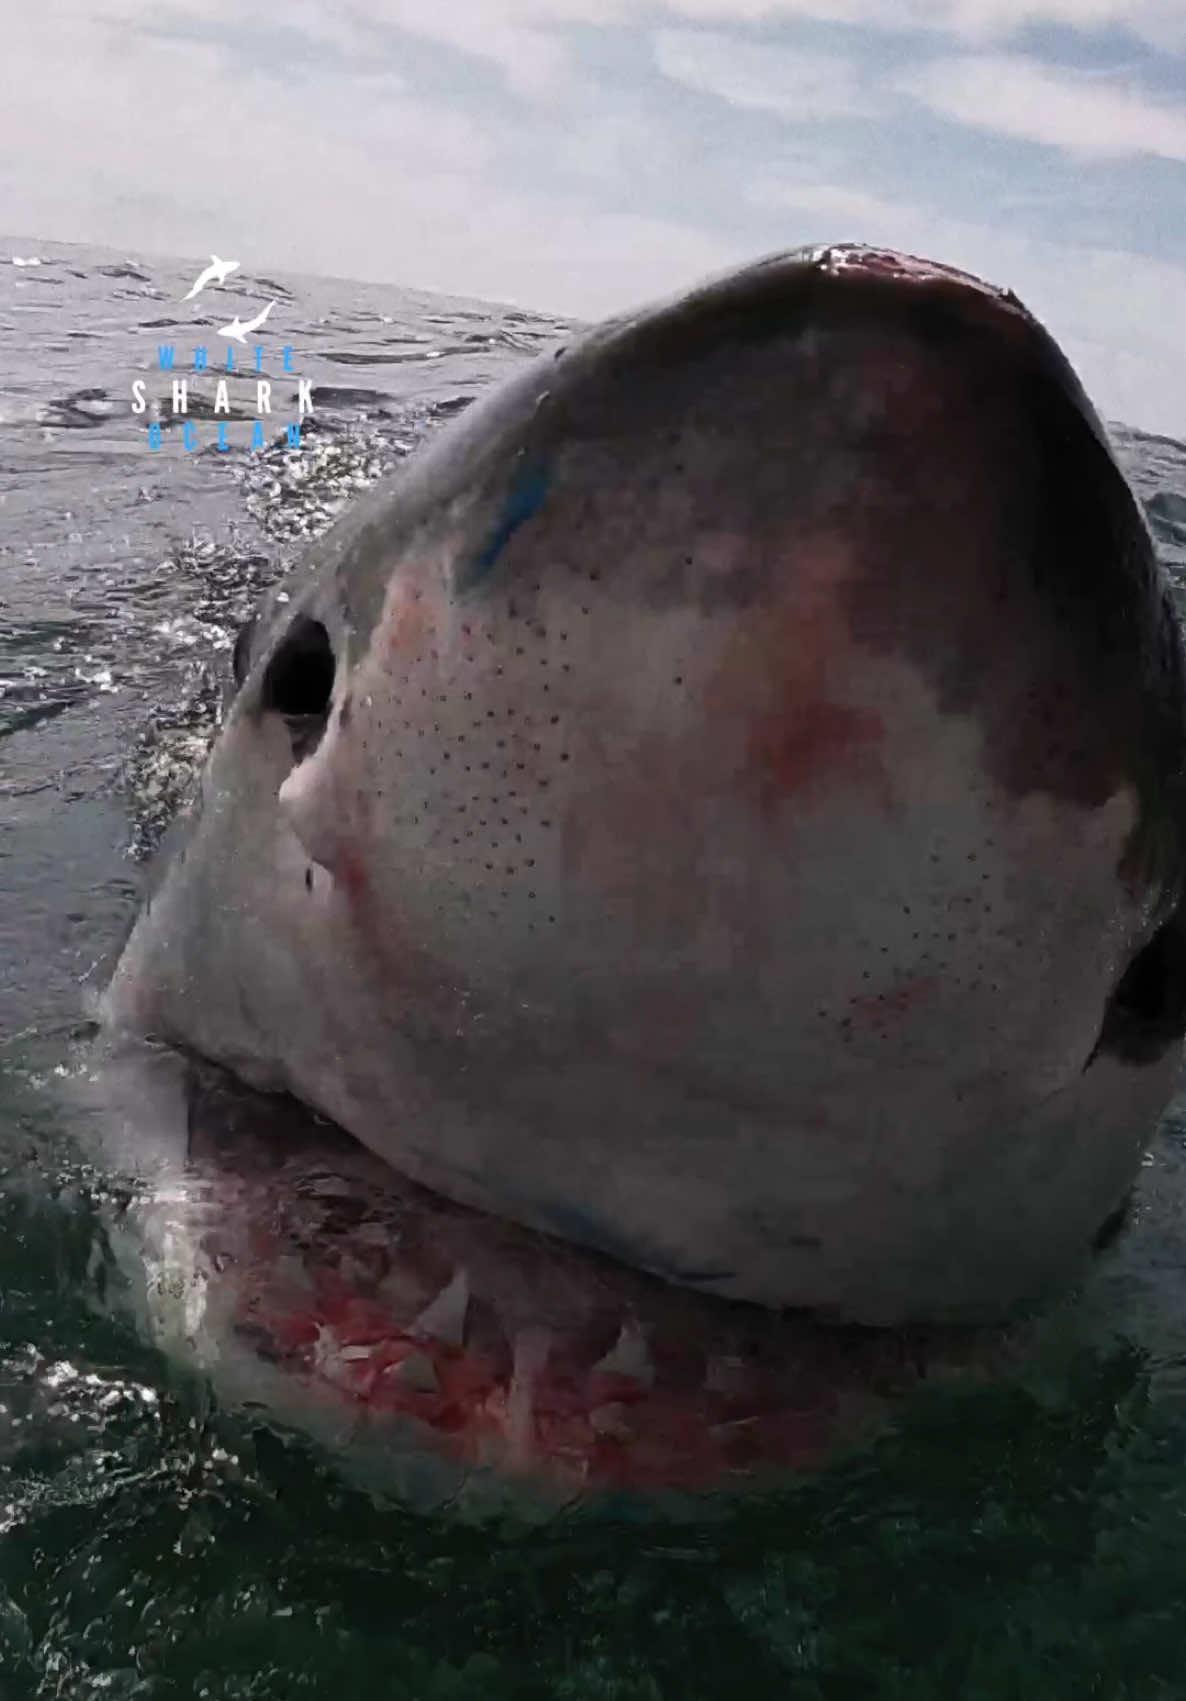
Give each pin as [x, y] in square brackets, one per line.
[410, 623]
[813, 744]
[773, 678]
[349, 871]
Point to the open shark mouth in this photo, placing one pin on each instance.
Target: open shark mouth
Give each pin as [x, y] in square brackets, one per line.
[279, 1241]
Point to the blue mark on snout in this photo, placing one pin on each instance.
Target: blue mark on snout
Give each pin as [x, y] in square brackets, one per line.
[525, 498]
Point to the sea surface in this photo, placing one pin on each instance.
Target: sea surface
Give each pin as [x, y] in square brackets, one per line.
[1020, 1536]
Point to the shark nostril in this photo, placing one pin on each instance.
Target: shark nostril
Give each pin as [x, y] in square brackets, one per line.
[1146, 1014]
[299, 682]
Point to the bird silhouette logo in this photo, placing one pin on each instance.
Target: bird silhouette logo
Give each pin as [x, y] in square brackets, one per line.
[239, 329]
[218, 271]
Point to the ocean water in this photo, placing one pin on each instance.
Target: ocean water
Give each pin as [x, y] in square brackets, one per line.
[164, 1532]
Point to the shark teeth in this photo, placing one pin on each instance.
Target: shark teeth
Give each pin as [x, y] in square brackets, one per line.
[629, 1356]
[417, 1373]
[334, 1360]
[530, 1355]
[444, 1317]
[611, 1422]
[725, 1374]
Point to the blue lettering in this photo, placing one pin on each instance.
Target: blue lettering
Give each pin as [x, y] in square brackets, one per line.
[222, 437]
[259, 357]
[294, 437]
[230, 359]
[165, 352]
[287, 352]
[257, 436]
[154, 434]
[189, 435]
[201, 359]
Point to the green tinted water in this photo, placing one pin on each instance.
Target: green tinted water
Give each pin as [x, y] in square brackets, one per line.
[1022, 1539]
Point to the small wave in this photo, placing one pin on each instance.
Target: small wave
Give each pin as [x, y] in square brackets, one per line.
[346, 396]
[124, 271]
[1167, 515]
[381, 357]
[18, 718]
[83, 409]
[276, 288]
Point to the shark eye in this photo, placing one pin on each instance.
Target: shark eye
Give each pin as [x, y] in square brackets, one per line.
[299, 682]
[1146, 1014]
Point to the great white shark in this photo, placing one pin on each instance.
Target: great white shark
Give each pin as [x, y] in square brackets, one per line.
[720, 806]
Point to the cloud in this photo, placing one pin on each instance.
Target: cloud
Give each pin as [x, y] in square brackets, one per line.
[1015, 96]
[536, 151]
[533, 60]
[342, 173]
[1161, 22]
[529, 40]
[1007, 94]
[793, 82]
[864, 217]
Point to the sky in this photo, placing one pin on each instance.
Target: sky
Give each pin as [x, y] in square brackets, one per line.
[584, 156]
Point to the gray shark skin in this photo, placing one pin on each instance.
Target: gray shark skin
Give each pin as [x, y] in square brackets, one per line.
[722, 804]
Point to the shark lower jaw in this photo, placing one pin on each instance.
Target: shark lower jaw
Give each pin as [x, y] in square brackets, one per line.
[431, 1327]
